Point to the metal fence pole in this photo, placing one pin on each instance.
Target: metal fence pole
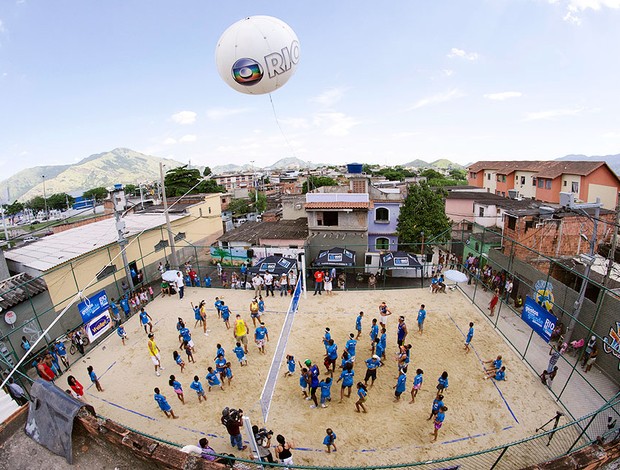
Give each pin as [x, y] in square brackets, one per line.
[582, 433]
[499, 458]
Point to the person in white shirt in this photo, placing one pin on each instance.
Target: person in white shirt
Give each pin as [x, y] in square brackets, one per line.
[257, 282]
[180, 284]
[268, 284]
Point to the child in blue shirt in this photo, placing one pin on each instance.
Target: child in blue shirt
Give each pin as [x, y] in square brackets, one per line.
[417, 384]
[218, 304]
[437, 404]
[290, 362]
[212, 379]
[121, 332]
[303, 382]
[326, 391]
[178, 359]
[442, 382]
[240, 353]
[178, 389]
[470, 335]
[346, 376]
[261, 304]
[163, 404]
[330, 440]
[362, 392]
[93, 378]
[225, 313]
[197, 386]
[401, 384]
[358, 324]
[228, 373]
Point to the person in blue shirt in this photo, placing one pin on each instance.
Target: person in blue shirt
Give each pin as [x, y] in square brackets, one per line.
[260, 335]
[218, 304]
[421, 318]
[197, 386]
[212, 379]
[374, 333]
[326, 391]
[163, 404]
[115, 312]
[145, 320]
[125, 307]
[61, 349]
[313, 376]
[498, 375]
[207, 281]
[496, 364]
[470, 335]
[290, 362]
[441, 415]
[379, 351]
[55, 365]
[303, 381]
[346, 359]
[383, 341]
[25, 344]
[240, 353]
[225, 314]
[402, 331]
[228, 373]
[401, 384]
[330, 440]
[93, 378]
[331, 357]
[197, 315]
[358, 324]
[346, 376]
[186, 336]
[437, 404]
[178, 389]
[120, 331]
[261, 304]
[362, 392]
[220, 365]
[350, 347]
[326, 337]
[220, 351]
[372, 365]
[442, 382]
[417, 384]
[178, 359]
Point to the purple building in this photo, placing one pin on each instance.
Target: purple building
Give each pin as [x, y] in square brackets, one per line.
[383, 217]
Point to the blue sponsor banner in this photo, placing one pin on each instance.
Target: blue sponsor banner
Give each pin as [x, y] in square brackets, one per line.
[98, 326]
[93, 306]
[538, 318]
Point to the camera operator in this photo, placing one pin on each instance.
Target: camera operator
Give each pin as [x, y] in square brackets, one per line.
[263, 441]
[231, 418]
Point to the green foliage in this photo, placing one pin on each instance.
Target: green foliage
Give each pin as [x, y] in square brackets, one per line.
[441, 182]
[260, 204]
[239, 206]
[130, 189]
[210, 186]
[59, 201]
[396, 173]
[207, 171]
[458, 174]
[99, 194]
[12, 209]
[37, 203]
[180, 180]
[423, 211]
[431, 174]
[314, 182]
[221, 253]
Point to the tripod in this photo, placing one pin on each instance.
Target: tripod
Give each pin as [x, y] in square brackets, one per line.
[556, 418]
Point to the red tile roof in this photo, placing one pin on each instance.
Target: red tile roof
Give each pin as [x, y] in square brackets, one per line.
[338, 205]
[543, 168]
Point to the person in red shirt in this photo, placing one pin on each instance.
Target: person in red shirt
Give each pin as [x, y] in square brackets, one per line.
[76, 386]
[44, 369]
[318, 282]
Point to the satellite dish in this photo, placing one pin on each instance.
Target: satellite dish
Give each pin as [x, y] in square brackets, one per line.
[10, 317]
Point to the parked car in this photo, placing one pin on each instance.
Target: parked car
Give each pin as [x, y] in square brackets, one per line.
[30, 238]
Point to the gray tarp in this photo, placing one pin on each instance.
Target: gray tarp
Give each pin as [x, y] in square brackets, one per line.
[50, 418]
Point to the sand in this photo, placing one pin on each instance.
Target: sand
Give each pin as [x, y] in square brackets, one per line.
[481, 414]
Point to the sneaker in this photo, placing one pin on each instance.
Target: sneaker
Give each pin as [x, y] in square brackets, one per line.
[323, 405]
[158, 374]
[162, 368]
[312, 406]
[308, 398]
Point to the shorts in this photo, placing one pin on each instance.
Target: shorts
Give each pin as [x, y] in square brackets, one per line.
[242, 359]
[156, 359]
[178, 391]
[438, 425]
[440, 387]
[201, 394]
[361, 400]
[397, 394]
[591, 361]
[303, 389]
[370, 374]
[242, 339]
[260, 343]
[383, 320]
[467, 343]
[255, 315]
[190, 343]
[417, 387]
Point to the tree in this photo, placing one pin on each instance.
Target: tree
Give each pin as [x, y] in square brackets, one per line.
[260, 204]
[239, 206]
[313, 182]
[98, 194]
[458, 174]
[180, 180]
[37, 203]
[206, 171]
[210, 186]
[59, 201]
[430, 174]
[130, 189]
[423, 211]
[12, 209]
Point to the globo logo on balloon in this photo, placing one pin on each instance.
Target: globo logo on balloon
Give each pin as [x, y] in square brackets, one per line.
[257, 55]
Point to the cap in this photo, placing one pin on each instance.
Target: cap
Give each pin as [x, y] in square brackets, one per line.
[308, 362]
[593, 338]
[375, 357]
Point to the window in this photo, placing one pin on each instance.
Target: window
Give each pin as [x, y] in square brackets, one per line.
[511, 222]
[575, 187]
[481, 211]
[105, 272]
[472, 175]
[533, 181]
[547, 184]
[368, 260]
[382, 215]
[541, 183]
[327, 219]
[179, 236]
[382, 243]
[523, 180]
[489, 176]
[161, 245]
[565, 182]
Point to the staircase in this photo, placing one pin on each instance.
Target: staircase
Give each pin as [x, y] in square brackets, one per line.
[8, 406]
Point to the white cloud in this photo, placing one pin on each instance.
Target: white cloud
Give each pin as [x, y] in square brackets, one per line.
[329, 98]
[447, 72]
[455, 52]
[438, 98]
[169, 141]
[217, 114]
[335, 124]
[2, 29]
[575, 7]
[295, 123]
[188, 138]
[504, 95]
[552, 114]
[184, 117]
[612, 135]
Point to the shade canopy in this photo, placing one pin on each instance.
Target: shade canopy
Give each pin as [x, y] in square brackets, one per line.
[275, 265]
[335, 256]
[398, 260]
[456, 276]
[171, 276]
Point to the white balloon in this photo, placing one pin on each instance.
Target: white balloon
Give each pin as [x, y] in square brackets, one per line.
[257, 55]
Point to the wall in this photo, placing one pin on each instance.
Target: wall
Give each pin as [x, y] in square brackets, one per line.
[550, 195]
[567, 184]
[490, 214]
[607, 195]
[528, 189]
[293, 207]
[458, 210]
[594, 185]
[490, 180]
[477, 181]
[383, 229]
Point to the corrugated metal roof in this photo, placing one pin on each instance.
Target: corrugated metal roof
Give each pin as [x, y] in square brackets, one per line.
[252, 232]
[18, 288]
[54, 250]
[337, 205]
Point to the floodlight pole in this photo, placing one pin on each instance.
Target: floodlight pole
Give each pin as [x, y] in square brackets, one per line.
[120, 228]
[584, 283]
[173, 255]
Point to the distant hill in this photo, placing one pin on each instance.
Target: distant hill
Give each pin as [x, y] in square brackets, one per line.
[442, 164]
[612, 160]
[120, 165]
[289, 163]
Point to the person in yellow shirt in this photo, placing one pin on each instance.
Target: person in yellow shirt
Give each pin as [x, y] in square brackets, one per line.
[154, 352]
[254, 312]
[241, 332]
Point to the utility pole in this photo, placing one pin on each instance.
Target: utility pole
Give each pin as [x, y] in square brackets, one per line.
[173, 255]
[120, 228]
[45, 198]
[588, 260]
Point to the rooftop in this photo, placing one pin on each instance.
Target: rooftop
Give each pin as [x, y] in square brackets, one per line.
[13, 290]
[543, 168]
[253, 232]
[337, 205]
[54, 250]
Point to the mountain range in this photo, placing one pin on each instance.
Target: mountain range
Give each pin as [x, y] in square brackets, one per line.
[120, 165]
[612, 160]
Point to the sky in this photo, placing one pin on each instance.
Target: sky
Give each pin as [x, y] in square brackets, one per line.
[377, 82]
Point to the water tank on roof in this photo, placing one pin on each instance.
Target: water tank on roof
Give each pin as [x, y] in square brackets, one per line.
[354, 168]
